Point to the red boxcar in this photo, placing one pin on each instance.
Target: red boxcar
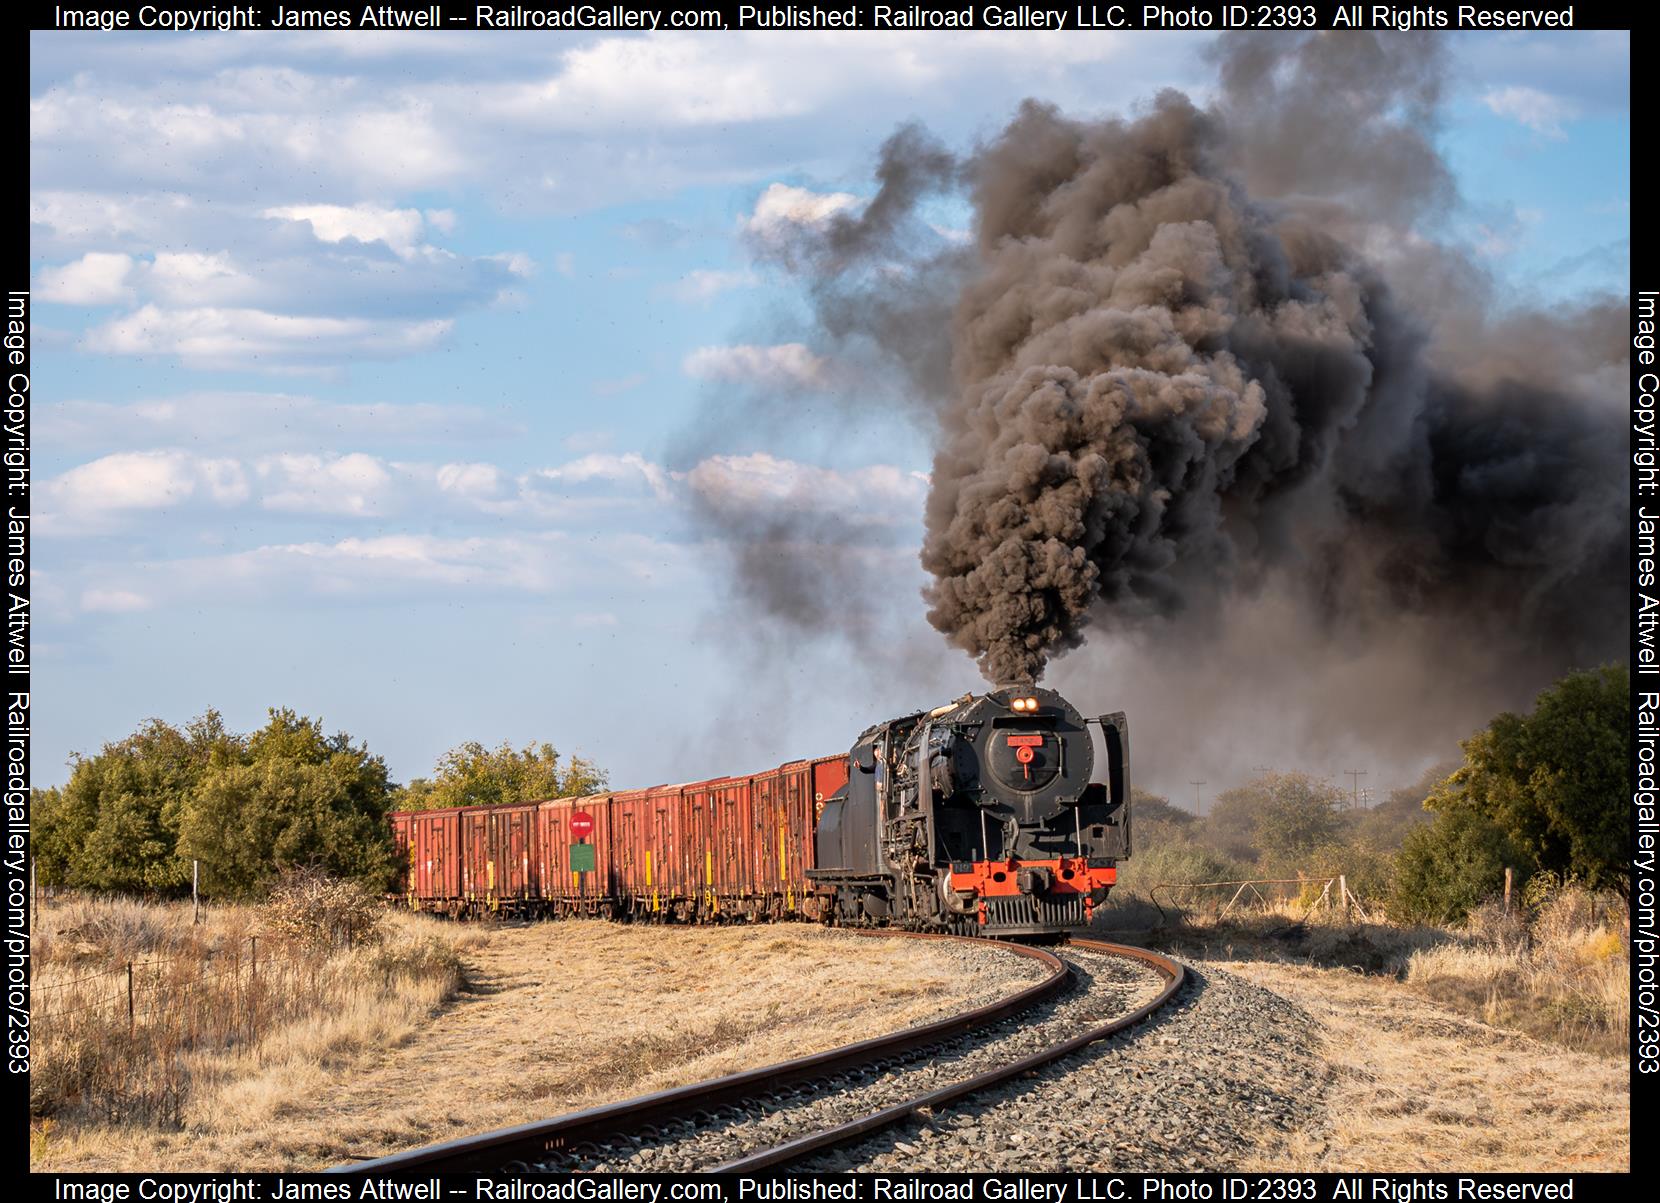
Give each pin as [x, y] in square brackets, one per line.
[498, 870]
[729, 848]
[580, 890]
[431, 842]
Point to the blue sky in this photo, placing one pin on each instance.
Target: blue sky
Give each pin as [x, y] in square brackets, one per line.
[377, 374]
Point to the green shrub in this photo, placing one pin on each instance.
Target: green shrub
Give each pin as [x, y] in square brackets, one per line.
[1446, 869]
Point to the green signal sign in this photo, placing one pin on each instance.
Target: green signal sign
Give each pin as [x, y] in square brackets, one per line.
[582, 858]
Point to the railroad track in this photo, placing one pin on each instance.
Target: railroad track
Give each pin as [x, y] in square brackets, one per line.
[781, 1114]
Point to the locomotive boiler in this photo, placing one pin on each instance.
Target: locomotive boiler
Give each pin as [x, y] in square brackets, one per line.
[981, 816]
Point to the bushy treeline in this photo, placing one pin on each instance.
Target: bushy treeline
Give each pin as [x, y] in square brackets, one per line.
[1542, 792]
[248, 807]
[474, 775]
[1280, 825]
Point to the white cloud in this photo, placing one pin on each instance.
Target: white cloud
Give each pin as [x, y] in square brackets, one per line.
[703, 284]
[86, 496]
[598, 119]
[602, 465]
[96, 278]
[298, 263]
[784, 364]
[399, 229]
[619, 384]
[355, 484]
[212, 337]
[113, 601]
[98, 496]
[74, 215]
[1540, 111]
[783, 209]
[655, 80]
[543, 562]
[403, 148]
[250, 421]
[516, 262]
[191, 278]
[763, 481]
[479, 481]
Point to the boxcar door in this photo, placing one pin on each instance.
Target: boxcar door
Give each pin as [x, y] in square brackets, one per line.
[797, 806]
[664, 870]
[768, 836]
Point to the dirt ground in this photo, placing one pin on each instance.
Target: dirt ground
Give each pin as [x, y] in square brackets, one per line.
[557, 1017]
[561, 1016]
[1418, 1087]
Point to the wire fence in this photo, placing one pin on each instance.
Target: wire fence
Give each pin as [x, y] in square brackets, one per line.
[114, 1040]
[1218, 899]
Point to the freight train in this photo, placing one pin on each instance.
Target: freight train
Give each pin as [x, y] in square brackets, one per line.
[982, 816]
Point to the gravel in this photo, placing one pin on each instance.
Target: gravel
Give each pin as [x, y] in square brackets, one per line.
[1224, 1073]
[1105, 986]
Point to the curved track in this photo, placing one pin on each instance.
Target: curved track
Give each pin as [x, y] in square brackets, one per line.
[602, 1136]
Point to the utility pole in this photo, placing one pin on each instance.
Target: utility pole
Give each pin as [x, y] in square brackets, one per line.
[1198, 805]
[1356, 774]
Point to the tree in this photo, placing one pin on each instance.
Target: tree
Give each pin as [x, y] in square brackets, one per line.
[115, 825]
[296, 799]
[1279, 817]
[1301, 813]
[473, 775]
[1148, 810]
[1386, 825]
[1449, 866]
[1554, 781]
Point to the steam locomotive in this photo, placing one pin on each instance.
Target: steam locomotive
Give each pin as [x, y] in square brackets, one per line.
[978, 816]
[982, 816]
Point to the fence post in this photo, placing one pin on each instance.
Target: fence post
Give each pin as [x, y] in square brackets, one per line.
[131, 1017]
[195, 898]
[1507, 874]
[254, 942]
[1343, 888]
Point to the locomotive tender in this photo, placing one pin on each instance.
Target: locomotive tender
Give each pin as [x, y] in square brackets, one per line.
[982, 816]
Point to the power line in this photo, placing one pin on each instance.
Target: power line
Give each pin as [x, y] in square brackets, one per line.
[1356, 774]
[1198, 804]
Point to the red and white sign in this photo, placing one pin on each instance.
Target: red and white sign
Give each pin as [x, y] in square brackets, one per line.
[582, 825]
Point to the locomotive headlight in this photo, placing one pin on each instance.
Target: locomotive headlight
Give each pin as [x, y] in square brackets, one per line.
[1024, 704]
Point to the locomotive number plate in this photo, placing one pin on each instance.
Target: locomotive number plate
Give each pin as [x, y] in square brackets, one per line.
[1025, 741]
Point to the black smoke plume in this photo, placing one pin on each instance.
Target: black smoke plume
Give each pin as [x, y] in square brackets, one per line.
[1205, 356]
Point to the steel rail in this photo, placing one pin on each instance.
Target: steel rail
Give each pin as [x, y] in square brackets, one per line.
[489, 1152]
[794, 1150]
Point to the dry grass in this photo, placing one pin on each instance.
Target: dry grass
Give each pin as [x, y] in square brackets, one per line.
[1565, 975]
[1419, 1026]
[1417, 1087]
[205, 1020]
[1559, 969]
[555, 1017]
